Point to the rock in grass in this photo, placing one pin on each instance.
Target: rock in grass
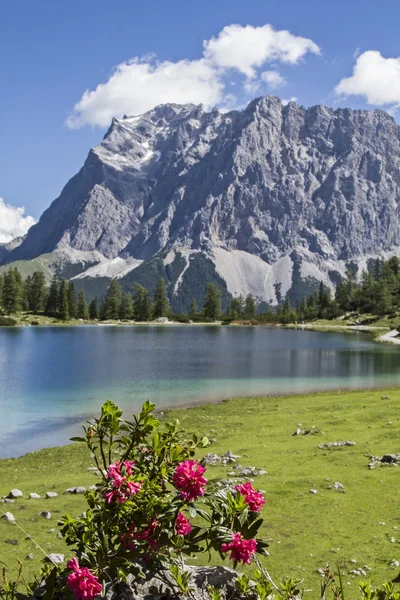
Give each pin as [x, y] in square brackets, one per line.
[338, 486]
[51, 495]
[46, 514]
[31, 556]
[13, 542]
[76, 490]
[9, 517]
[55, 558]
[394, 563]
[313, 491]
[15, 493]
[34, 496]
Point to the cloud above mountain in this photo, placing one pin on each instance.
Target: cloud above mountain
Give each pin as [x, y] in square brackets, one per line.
[13, 222]
[140, 83]
[375, 78]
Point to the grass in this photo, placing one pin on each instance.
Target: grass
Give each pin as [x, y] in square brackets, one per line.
[306, 531]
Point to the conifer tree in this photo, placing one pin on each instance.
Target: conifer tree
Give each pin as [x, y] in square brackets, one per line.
[37, 292]
[11, 292]
[147, 306]
[72, 301]
[63, 296]
[193, 312]
[52, 303]
[83, 310]
[250, 308]
[126, 311]
[161, 307]
[212, 302]
[112, 303]
[94, 310]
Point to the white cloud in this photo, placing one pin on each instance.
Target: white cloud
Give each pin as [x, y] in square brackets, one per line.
[139, 84]
[273, 79]
[13, 223]
[285, 101]
[374, 77]
[245, 48]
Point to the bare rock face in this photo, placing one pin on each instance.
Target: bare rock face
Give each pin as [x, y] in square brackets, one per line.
[269, 186]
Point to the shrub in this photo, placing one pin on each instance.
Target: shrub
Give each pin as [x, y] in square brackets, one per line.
[7, 321]
[154, 504]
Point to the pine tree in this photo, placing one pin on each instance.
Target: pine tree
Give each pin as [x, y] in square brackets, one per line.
[72, 301]
[94, 310]
[126, 312]
[52, 303]
[250, 308]
[63, 296]
[161, 303]
[236, 308]
[147, 306]
[193, 312]
[142, 304]
[112, 303]
[10, 292]
[83, 310]
[212, 302]
[38, 292]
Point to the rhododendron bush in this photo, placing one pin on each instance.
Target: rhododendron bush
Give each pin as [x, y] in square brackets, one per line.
[154, 505]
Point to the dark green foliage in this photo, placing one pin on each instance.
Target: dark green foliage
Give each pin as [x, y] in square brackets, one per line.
[250, 308]
[161, 307]
[11, 292]
[194, 311]
[142, 304]
[236, 309]
[111, 307]
[212, 303]
[72, 301]
[37, 292]
[7, 321]
[63, 300]
[52, 303]
[94, 310]
[83, 309]
[126, 312]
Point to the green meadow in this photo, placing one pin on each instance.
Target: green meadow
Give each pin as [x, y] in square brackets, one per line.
[305, 530]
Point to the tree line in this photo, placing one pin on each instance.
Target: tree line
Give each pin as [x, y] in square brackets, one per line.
[376, 291]
[60, 300]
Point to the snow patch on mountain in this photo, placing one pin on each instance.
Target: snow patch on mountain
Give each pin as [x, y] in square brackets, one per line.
[246, 273]
[113, 269]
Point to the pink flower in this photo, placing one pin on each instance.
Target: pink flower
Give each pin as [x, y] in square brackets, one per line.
[146, 535]
[123, 488]
[182, 525]
[81, 581]
[188, 478]
[254, 499]
[241, 550]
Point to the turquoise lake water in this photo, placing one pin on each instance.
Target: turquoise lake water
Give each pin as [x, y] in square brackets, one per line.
[52, 379]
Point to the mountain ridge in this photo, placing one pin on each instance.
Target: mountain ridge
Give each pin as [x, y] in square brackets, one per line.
[268, 194]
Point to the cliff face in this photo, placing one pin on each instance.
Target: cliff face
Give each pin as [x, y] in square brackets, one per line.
[270, 189]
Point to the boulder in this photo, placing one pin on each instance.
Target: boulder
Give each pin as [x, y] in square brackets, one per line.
[34, 496]
[9, 517]
[15, 493]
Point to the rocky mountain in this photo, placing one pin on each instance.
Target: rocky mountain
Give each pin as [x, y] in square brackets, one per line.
[267, 200]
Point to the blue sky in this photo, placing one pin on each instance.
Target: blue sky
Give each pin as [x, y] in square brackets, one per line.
[52, 52]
